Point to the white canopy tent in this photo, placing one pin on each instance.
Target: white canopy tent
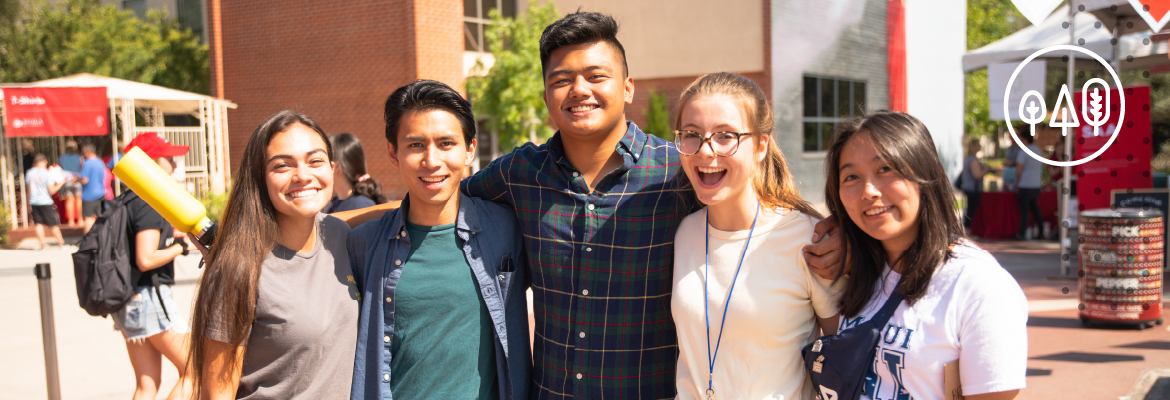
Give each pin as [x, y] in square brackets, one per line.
[204, 167]
[1051, 32]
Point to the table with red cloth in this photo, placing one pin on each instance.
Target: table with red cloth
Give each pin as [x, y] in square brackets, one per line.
[998, 216]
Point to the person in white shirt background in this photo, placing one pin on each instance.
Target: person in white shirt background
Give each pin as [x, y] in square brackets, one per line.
[902, 234]
[744, 300]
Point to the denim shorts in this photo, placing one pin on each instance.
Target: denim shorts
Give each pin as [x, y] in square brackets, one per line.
[143, 315]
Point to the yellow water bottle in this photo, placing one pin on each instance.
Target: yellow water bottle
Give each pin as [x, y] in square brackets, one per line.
[154, 185]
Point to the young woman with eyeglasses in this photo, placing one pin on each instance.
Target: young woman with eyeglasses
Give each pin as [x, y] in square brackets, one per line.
[744, 301]
[902, 234]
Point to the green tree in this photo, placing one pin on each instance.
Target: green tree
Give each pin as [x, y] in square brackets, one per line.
[509, 94]
[53, 40]
[658, 116]
[987, 21]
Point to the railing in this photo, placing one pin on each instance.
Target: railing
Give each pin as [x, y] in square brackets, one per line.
[195, 162]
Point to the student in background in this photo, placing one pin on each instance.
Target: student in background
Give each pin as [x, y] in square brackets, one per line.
[71, 192]
[971, 180]
[41, 186]
[1029, 172]
[93, 190]
[353, 187]
[903, 238]
[152, 323]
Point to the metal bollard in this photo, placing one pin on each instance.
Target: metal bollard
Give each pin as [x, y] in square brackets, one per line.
[48, 331]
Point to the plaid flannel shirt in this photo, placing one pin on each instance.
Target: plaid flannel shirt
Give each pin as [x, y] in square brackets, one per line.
[601, 264]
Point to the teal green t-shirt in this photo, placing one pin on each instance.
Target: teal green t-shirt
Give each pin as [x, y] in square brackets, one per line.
[444, 346]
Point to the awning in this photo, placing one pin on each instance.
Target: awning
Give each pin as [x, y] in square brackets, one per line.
[1022, 44]
[169, 101]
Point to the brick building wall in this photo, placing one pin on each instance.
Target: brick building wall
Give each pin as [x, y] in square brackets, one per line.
[336, 62]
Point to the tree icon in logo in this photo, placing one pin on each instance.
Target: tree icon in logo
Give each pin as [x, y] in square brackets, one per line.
[1095, 114]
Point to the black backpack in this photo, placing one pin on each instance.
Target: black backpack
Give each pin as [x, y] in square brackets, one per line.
[101, 265]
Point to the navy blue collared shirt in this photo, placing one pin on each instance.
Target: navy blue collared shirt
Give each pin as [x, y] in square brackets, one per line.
[492, 245]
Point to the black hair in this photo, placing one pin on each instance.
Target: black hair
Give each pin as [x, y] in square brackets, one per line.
[427, 95]
[349, 156]
[87, 147]
[905, 144]
[580, 28]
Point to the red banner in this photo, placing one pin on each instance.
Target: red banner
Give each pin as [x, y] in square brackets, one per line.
[55, 112]
[1126, 164]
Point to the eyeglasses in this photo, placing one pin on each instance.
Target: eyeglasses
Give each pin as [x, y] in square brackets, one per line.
[723, 144]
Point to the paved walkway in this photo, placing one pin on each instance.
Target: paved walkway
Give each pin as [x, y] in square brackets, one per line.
[1066, 361]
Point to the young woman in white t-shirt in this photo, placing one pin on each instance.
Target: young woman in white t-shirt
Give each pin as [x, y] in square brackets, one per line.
[744, 301]
[903, 234]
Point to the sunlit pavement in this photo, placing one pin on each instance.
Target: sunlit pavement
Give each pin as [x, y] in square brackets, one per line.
[91, 354]
[1066, 360]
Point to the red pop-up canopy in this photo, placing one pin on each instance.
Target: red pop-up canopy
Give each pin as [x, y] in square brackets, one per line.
[56, 111]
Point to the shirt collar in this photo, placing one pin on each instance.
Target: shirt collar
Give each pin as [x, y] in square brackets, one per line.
[630, 147]
[467, 220]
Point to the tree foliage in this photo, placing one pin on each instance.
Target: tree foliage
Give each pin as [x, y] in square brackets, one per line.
[46, 41]
[509, 94]
[987, 21]
[658, 116]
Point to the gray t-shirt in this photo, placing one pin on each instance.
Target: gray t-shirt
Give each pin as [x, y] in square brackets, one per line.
[302, 340]
[1030, 178]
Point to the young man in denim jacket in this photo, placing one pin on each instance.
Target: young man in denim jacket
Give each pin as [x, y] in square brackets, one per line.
[443, 311]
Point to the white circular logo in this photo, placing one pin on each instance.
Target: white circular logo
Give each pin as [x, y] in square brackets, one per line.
[1092, 114]
[17, 123]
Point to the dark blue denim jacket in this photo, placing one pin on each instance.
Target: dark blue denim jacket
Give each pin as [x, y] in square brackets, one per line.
[492, 246]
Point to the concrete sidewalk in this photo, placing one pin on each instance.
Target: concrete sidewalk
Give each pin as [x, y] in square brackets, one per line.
[1065, 359]
[91, 354]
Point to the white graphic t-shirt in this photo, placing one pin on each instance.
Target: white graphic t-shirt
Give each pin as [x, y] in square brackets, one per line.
[973, 311]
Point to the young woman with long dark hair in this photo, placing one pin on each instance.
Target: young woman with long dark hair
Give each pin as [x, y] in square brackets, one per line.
[353, 187]
[903, 234]
[739, 271]
[276, 308]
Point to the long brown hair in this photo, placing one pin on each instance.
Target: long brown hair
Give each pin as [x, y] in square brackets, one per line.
[772, 182]
[226, 297]
[905, 144]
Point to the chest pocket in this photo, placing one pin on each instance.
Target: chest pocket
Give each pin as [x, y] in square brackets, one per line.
[504, 275]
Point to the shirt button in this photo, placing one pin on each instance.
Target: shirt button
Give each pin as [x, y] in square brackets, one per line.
[386, 339]
[387, 299]
[579, 376]
[576, 174]
[590, 207]
[582, 335]
[386, 378]
[585, 292]
[397, 262]
[588, 249]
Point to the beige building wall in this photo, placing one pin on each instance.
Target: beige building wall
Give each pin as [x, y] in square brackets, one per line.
[683, 38]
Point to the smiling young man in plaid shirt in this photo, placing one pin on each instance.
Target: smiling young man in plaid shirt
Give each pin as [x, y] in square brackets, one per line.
[598, 206]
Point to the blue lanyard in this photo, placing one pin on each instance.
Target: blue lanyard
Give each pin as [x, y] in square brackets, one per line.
[706, 314]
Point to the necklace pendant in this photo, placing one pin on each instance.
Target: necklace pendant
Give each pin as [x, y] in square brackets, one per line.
[710, 394]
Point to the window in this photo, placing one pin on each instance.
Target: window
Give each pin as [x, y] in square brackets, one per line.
[827, 102]
[476, 17]
[190, 16]
[137, 6]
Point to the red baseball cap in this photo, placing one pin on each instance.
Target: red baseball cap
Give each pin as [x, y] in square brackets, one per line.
[155, 146]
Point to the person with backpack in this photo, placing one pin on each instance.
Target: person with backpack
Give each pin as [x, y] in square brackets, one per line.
[152, 323]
